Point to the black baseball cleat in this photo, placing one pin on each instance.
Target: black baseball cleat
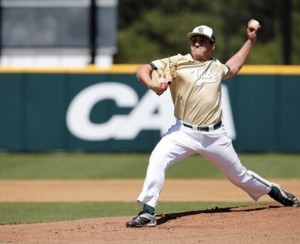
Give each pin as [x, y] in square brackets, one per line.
[142, 219]
[285, 198]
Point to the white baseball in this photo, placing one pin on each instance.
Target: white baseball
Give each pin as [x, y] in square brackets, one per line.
[253, 24]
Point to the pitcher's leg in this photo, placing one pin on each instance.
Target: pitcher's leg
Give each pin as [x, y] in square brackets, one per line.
[220, 151]
[166, 153]
[222, 154]
[241, 177]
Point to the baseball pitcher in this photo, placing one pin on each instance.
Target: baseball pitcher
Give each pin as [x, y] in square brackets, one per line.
[194, 80]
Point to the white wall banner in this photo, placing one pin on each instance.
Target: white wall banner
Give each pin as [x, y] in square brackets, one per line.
[151, 112]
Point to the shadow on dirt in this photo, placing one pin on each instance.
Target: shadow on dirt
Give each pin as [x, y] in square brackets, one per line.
[163, 218]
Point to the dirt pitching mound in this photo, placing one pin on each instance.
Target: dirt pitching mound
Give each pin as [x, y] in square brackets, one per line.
[269, 223]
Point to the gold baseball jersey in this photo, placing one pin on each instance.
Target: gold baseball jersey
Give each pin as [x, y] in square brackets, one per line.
[195, 88]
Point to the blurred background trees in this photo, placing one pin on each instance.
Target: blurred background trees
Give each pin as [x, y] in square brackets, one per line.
[151, 29]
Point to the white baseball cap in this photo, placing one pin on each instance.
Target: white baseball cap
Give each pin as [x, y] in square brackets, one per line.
[203, 30]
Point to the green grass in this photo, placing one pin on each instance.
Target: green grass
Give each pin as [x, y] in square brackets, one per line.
[118, 166]
[127, 166]
[20, 213]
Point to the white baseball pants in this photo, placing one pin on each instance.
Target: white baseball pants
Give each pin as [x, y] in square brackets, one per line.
[180, 142]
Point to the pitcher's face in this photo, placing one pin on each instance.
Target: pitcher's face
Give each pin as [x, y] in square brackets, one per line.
[201, 48]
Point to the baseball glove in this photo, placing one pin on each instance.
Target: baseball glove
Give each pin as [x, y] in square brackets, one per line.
[165, 75]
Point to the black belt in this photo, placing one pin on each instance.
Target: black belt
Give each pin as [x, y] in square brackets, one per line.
[205, 128]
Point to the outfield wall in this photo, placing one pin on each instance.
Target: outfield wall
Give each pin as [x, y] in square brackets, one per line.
[95, 109]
